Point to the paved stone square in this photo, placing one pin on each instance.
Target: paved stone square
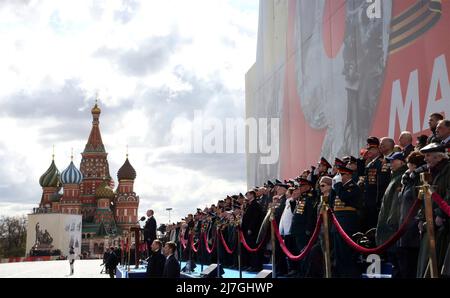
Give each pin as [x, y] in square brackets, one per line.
[52, 269]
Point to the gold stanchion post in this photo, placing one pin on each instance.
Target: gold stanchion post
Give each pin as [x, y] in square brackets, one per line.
[424, 193]
[272, 238]
[326, 236]
[218, 250]
[239, 247]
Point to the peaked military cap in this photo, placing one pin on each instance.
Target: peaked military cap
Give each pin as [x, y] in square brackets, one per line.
[338, 162]
[324, 162]
[303, 181]
[373, 142]
[344, 169]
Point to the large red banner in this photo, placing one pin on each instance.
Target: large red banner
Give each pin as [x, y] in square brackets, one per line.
[348, 76]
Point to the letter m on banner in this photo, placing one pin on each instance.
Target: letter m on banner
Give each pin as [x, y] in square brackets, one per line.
[402, 107]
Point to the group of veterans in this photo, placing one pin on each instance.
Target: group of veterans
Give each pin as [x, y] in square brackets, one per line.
[370, 195]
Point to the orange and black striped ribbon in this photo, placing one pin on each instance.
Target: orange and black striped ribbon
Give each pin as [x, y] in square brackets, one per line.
[413, 23]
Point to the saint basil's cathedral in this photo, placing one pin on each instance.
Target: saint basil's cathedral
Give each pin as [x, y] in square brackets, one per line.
[107, 214]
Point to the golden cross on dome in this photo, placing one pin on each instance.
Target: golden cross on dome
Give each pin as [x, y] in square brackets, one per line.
[127, 150]
[53, 155]
[71, 155]
[96, 98]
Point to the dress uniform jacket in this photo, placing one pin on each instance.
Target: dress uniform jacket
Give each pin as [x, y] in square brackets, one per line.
[304, 218]
[344, 200]
[377, 178]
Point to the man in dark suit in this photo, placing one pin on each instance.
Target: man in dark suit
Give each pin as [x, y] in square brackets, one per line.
[280, 190]
[432, 123]
[156, 261]
[171, 267]
[443, 132]
[111, 262]
[251, 223]
[150, 229]
[405, 141]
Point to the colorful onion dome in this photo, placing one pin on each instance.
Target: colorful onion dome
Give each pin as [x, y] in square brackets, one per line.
[103, 191]
[51, 177]
[126, 172]
[71, 175]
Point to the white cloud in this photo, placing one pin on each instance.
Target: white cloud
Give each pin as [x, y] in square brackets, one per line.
[147, 90]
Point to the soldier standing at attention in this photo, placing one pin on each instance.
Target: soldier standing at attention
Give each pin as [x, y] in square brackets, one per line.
[343, 200]
[322, 169]
[376, 179]
[304, 219]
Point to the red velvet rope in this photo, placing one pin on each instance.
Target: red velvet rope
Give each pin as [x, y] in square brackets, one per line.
[191, 237]
[209, 250]
[227, 248]
[183, 241]
[247, 247]
[142, 247]
[384, 246]
[441, 203]
[306, 249]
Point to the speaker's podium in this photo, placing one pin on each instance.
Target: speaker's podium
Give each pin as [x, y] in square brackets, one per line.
[211, 271]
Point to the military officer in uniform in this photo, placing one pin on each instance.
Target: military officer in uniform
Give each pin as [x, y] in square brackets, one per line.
[280, 190]
[265, 194]
[337, 162]
[343, 200]
[352, 163]
[376, 178]
[304, 218]
[322, 169]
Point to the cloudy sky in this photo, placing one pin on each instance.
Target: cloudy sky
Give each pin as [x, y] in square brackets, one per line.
[153, 63]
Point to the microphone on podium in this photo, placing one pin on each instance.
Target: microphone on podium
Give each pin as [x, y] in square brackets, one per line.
[142, 219]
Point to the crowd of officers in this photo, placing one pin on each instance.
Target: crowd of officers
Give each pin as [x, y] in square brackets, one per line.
[370, 195]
